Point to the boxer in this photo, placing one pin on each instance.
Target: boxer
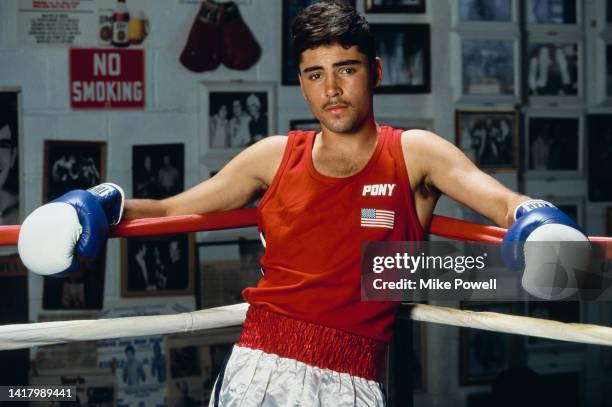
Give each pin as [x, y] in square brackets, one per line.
[308, 339]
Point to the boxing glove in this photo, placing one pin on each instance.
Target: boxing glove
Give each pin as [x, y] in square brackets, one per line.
[202, 52]
[551, 248]
[240, 50]
[54, 236]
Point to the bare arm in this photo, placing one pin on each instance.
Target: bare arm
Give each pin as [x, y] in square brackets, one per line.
[441, 166]
[248, 174]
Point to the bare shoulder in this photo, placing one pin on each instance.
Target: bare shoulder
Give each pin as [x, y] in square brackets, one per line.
[419, 147]
[264, 157]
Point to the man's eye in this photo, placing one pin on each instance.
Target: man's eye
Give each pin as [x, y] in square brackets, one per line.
[315, 76]
[348, 70]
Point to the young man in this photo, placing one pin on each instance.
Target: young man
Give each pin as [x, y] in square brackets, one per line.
[308, 338]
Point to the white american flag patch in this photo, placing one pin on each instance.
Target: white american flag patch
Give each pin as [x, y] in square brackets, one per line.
[377, 218]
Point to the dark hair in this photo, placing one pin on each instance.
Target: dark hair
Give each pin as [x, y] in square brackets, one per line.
[329, 22]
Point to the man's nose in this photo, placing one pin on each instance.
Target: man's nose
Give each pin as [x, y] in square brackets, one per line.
[332, 88]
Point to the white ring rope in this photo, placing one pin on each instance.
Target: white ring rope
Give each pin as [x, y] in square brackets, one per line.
[48, 333]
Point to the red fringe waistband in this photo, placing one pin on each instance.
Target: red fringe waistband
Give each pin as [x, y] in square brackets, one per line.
[315, 345]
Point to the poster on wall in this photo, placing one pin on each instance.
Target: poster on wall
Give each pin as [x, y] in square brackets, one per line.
[9, 160]
[83, 23]
[107, 78]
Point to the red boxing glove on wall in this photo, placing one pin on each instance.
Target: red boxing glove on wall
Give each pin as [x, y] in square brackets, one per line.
[240, 49]
[203, 49]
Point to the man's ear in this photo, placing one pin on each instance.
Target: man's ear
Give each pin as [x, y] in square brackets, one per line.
[378, 72]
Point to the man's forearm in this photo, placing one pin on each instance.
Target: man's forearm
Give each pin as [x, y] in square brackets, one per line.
[144, 208]
[513, 202]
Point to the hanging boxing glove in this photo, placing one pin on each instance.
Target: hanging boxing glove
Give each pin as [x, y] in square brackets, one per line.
[240, 49]
[203, 49]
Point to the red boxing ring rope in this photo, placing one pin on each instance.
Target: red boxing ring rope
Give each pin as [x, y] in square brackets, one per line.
[442, 226]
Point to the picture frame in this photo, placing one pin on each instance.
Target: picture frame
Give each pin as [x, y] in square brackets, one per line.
[489, 138]
[289, 67]
[478, 11]
[554, 145]
[599, 147]
[554, 70]
[489, 69]
[484, 354]
[155, 267]
[225, 268]
[395, 6]
[10, 146]
[194, 364]
[70, 164]
[405, 51]
[305, 124]
[158, 170]
[552, 12]
[83, 289]
[252, 116]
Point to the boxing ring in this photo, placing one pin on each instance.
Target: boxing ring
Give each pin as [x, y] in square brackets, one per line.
[18, 336]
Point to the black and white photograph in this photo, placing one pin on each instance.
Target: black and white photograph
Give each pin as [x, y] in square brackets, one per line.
[195, 362]
[485, 10]
[72, 165]
[484, 354]
[9, 157]
[489, 138]
[551, 11]
[225, 268]
[305, 124]
[81, 290]
[405, 53]
[488, 67]
[553, 144]
[158, 170]
[291, 9]
[599, 136]
[553, 69]
[394, 6]
[236, 115]
[157, 267]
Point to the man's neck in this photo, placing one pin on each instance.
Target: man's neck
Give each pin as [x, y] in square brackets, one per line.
[364, 137]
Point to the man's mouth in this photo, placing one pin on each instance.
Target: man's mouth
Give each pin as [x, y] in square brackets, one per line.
[336, 107]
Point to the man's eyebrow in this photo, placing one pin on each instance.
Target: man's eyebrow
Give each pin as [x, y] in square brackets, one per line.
[345, 62]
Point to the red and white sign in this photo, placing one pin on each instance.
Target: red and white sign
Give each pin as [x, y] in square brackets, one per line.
[107, 78]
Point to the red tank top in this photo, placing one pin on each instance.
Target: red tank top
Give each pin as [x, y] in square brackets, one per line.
[313, 226]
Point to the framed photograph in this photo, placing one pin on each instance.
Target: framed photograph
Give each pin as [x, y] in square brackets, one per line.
[599, 139]
[81, 290]
[195, 362]
[486, 10]
[553, 69]
[235, 115]
[488, 67]
[489, 138]
[405, 53]
[158, 170]
[484, 354]
[157, 267]
[10, 131]
[291, 8]
[554, 145]
[305, 124]
[225, 268]
[72, 165]
[552, 11]
[394, 6]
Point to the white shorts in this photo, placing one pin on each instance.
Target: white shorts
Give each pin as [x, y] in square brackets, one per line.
[255, 378]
